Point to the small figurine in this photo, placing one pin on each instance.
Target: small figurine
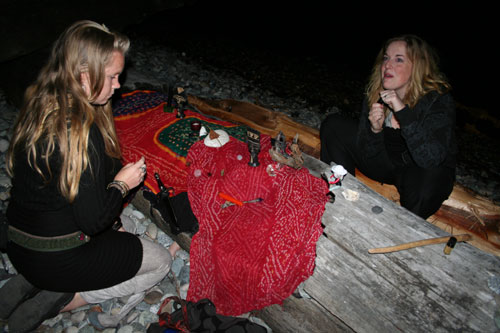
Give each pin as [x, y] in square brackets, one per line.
[280, 154]
[181, 99]
[253, 142]
[337, 173]
[179, 95]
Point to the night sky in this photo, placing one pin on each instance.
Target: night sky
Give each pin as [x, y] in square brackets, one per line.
[353, 33]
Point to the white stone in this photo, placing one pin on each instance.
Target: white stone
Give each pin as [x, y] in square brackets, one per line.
[71, 329]
[4, 145]
[78, 317]
[138, 214]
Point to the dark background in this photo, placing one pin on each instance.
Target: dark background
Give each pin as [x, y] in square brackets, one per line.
[346, 37]
[342, 38]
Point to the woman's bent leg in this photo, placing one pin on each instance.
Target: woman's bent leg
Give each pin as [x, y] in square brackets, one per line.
[423, 191]
[338, 144]
[155, 265]
[338, 141]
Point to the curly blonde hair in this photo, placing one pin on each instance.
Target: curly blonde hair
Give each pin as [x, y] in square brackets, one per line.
[425, 76]
[57, 114]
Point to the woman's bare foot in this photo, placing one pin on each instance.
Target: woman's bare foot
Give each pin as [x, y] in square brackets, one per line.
[75, 303]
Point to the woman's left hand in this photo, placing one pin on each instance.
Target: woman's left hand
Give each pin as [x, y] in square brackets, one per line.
[392, 100]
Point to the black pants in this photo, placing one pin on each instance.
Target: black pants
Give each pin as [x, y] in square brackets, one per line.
[421, 191]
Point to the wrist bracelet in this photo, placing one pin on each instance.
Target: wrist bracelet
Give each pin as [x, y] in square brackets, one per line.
[123, 184]
[119, 185]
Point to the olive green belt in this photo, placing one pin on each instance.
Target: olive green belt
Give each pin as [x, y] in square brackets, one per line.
[47, 244]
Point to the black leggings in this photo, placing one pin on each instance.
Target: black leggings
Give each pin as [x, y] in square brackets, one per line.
[421, 191]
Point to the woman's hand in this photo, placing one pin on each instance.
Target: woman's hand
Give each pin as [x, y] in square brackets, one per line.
[392, 100]
[132, 173]
[376, 117]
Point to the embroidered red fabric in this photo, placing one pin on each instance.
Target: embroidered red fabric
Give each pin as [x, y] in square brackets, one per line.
[144, 128]
[251, 256]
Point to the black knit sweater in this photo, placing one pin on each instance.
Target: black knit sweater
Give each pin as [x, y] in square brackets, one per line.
[38, 208]
[427, 133]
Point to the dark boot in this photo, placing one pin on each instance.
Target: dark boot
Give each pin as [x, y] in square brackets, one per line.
[31, 313]
[14, 292]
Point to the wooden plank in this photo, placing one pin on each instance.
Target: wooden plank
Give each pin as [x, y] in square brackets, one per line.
[301, 315]
[416, 290]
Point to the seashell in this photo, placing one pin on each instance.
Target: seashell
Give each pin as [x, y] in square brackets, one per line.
[350, 195]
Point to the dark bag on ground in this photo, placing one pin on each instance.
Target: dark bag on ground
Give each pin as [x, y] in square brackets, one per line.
[200, 317]
[175, 211]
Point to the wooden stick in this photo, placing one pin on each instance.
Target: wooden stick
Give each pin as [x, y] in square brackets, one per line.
[423, 242]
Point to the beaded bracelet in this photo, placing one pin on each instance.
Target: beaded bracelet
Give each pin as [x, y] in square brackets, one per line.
[121, 186]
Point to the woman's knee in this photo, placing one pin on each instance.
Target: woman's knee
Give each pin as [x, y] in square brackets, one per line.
[155, 258]
[424, 195]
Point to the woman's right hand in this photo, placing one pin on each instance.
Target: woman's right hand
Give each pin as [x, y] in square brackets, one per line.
[133, 173]
[376, 117]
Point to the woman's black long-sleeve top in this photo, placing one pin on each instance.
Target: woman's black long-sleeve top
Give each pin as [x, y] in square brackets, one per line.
[110, 257]
[427, 130]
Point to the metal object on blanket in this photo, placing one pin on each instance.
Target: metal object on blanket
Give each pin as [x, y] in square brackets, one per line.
[181, 99]
[229, 203]
[410, 245]
[253, 142]
[163, 199]
[179, 95]
[279, 152]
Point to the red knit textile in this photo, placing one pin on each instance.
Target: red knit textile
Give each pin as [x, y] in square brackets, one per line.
[248, 257]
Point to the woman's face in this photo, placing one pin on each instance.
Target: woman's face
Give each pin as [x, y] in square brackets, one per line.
[396, 68]
[111, 72]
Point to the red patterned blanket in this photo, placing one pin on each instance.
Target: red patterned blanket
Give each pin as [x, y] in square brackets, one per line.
[243, 257]
[247, 257]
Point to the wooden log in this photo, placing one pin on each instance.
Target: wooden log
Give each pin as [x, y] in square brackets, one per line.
[261, 119]
[418, 290]
[463, 212]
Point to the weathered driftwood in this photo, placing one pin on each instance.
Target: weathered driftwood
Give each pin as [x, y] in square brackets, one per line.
[463, 212]
[261, 119]
[417, 290]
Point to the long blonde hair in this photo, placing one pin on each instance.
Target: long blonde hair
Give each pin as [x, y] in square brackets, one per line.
[58, 114]
[425, 76]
